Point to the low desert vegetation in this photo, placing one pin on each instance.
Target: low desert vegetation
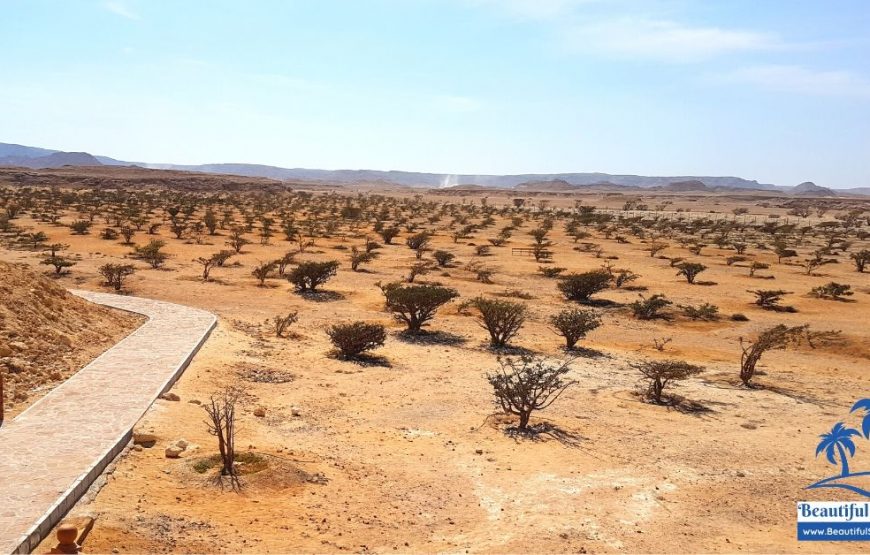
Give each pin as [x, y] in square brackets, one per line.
[443, 258]
[832, 291]
[777, 337]
[501, 318]
[769, 299]
[573, 324]
[705, 311]
[57, 260]
[283, 322]
[152, 253]
[440, 283]
[690, 270]
[354, 339]
[221, 411]
[308, 276]
[115, 274]
[416, 305]
[527, 384]
[649, 308]
[581, 287]
[658, 374]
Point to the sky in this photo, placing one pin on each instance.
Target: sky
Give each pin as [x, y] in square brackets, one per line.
[773, 90]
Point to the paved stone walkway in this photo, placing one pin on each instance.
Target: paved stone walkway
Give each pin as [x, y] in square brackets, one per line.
[52, 452]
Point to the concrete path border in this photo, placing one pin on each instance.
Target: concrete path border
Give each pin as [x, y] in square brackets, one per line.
[53, 451]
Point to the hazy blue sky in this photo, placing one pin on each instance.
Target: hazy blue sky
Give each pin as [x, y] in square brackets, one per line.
[777, 91]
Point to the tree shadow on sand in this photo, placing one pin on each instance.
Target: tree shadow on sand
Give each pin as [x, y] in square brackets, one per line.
[693, 407]
[542, 431]
[507, 350]
[365, 360]
[585, 352]
[684, 405]
[602, 303]
[545, 431]
[321, 296]
[800, 397]
[431, 338]
[722, 382]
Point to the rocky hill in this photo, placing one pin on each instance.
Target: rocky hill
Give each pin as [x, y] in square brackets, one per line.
[810, 188]
[33, 157]
[53, 160]
[47, 334]
[548, 185]
[686, 186]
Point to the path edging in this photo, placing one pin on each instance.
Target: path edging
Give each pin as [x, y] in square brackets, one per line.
[40, 530]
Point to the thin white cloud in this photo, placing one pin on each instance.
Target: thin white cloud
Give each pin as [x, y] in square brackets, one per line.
[663, 40]
[118, 7]
[801, 80]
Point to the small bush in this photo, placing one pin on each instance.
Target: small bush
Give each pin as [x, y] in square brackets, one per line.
[649, 308]
[573, 324]
[622, 277]
[552, 272]
[580, 287]
[755, 266]
[415, 305]
[443, 258]
[690, 270]
[528, 384]
[502, 319]
[261, 271]
[418, 242]
[418, 269]
[833, 290]
[282, 323]
[707, 312]
[515, 294]
[308, 276]
[80, 227]
[59, 262]
[151, 253]
[660, 373]
[777, 337]
[352, 340]
[115, 274]
[388, 234]
[359, 257]
[769, 299]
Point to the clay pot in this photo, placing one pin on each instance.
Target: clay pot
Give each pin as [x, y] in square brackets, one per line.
[67, 534]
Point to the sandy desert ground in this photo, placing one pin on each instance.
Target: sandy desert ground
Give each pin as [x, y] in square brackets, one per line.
[408, 452]
[47, 334]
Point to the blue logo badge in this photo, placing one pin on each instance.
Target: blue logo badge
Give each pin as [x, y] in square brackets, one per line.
[838, 447]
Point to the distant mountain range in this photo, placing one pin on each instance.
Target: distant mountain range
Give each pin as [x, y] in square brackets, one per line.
[33, 157]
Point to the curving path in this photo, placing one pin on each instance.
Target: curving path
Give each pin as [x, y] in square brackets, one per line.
[52, 452]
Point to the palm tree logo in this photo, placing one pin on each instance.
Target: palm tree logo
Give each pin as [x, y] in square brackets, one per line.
[838, 440]
[838, 447]
[865, 424]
